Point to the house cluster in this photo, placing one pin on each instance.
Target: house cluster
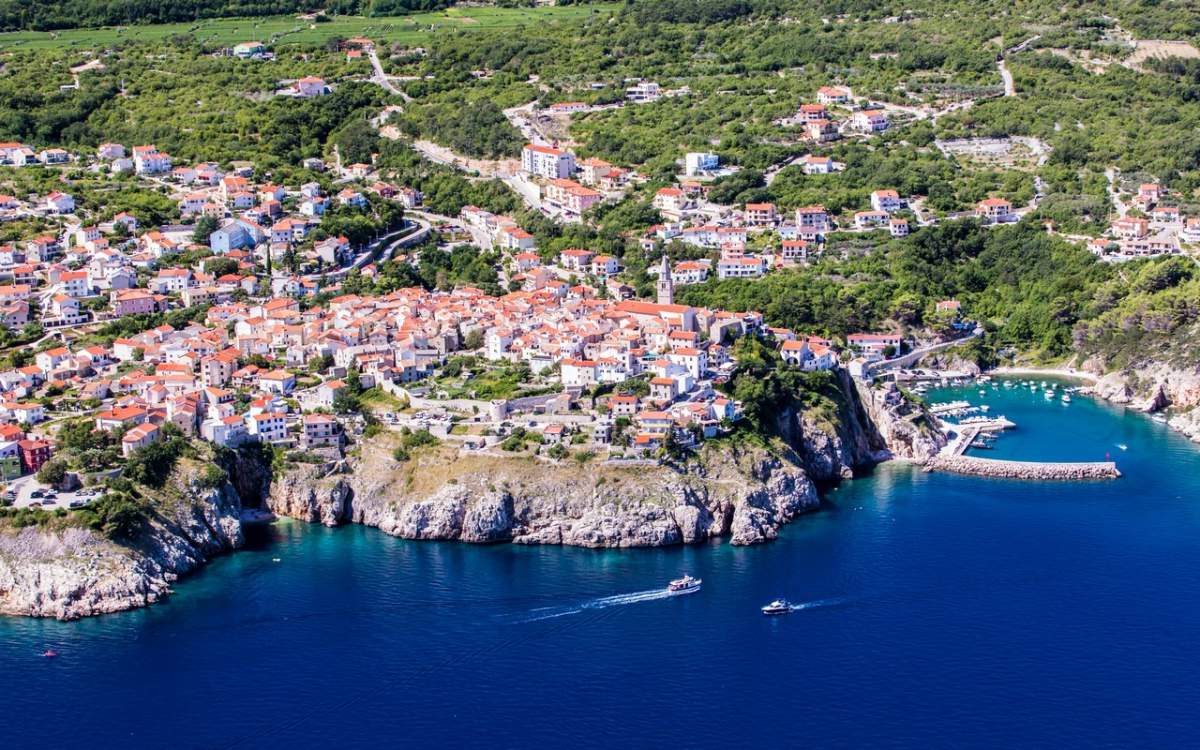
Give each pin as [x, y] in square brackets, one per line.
[835, 114]
[730, 232]
[81, 271]
[1160, 229]
[679, 351]
[499, 231]
[201, 379]
[555, 171]
[13, 154]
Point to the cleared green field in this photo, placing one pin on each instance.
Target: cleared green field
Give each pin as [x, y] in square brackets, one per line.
[414, 29]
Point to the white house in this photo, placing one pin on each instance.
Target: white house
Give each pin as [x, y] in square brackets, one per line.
[60, 203]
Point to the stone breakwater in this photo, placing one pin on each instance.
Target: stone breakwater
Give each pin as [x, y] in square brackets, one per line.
[1036, 470]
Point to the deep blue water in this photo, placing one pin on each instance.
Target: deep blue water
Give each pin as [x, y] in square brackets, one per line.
[944, 612]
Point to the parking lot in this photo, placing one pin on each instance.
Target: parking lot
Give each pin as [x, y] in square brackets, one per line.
[28, 492]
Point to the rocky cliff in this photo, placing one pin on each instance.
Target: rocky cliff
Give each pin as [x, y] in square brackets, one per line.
[741, 491]
[73, 572]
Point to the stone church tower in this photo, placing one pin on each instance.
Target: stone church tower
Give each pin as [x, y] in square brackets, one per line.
[666, 288]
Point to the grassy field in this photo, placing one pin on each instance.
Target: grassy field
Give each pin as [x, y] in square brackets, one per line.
[416, 29]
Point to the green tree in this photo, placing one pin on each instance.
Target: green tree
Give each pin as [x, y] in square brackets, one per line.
[203, 227]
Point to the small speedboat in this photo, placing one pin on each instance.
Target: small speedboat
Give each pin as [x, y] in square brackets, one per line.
[1122, 446]
[777, 607]
[1066, 398]
[49, 653]
[685, 585]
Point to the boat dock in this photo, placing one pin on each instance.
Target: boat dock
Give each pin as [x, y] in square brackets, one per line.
[991, 467]
[948, 407]
[969, 429]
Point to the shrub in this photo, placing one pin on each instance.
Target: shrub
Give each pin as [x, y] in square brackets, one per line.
[213, 477]
[116, 515]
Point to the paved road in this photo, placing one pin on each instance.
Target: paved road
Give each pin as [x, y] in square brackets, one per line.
[916, 355]
[389, 242]
[1010, 88]
[379, 77]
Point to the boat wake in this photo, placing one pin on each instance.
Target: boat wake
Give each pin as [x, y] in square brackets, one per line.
[636, 597]
[819, 603]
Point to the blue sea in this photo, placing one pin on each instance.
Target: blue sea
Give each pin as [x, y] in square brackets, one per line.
[936, 611]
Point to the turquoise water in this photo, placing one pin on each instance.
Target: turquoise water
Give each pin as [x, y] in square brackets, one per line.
[940, 611]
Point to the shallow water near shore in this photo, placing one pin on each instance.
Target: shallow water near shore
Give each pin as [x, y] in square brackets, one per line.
[935, 611]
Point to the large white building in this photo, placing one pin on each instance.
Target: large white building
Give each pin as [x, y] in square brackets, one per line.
[544, 161]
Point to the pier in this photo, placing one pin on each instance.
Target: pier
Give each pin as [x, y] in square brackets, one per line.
[1037, 470]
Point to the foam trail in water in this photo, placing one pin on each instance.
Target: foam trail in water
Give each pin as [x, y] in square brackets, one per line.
[818, 603]
[549, 613]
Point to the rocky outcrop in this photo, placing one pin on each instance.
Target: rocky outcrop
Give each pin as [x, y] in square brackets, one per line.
[905, 430]
[75, 572]
[735, 489]
[309, 493]
[747, 493]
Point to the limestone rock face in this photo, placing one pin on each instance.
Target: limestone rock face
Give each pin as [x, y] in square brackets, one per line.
[440, 517]
[612, 526]
[738, 490]
[310, 496]
[76, 572]
[1153, 386]
[488, 519]
[483, 499]
[903, 435]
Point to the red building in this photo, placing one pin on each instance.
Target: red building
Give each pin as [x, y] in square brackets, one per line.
[34, 453]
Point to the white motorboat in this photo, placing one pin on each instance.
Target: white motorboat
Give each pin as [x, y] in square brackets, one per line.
[777, 607]
[685, 585]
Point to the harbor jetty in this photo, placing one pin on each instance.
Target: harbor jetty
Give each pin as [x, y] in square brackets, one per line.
[1036, 470]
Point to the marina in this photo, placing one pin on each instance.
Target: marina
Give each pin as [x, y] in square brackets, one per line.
[971, 430]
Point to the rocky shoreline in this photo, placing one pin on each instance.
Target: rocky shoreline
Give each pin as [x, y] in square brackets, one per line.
[77, 572]
[739, 490]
